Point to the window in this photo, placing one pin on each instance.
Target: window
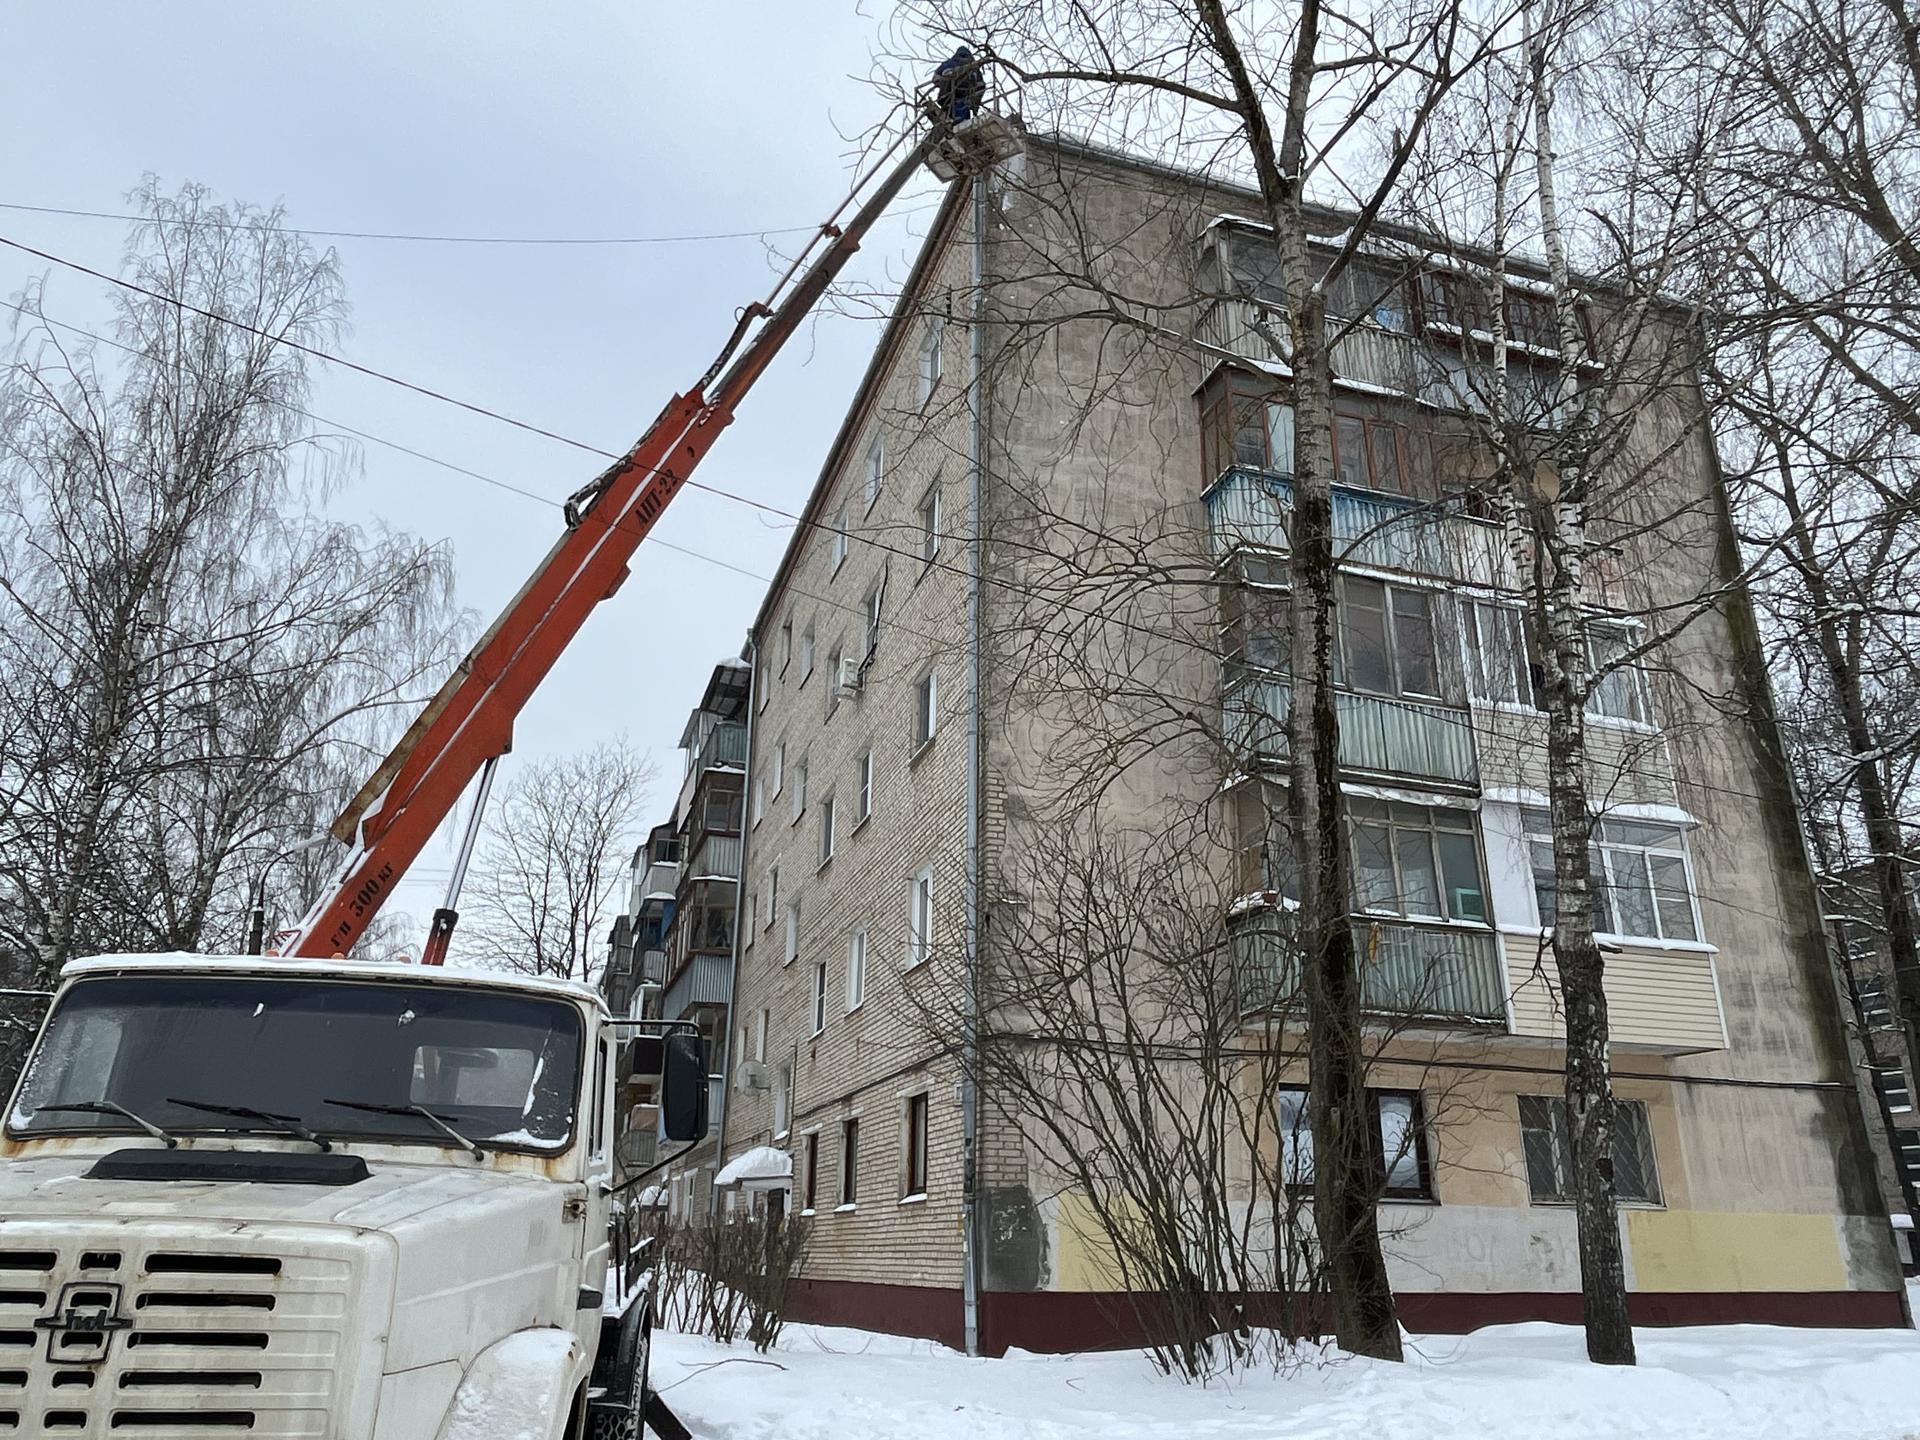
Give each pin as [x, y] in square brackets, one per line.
[1621, 693]
[929, 376]
[1642, 879]
[863, 787]
[920, 917]
[793, 932]
[1892, 1083]
[1498, 667]
[875, 599]
[1240, 424]
[1388, 639]
[839, 536]
[760, 1018]
[759, 797]
[849, 1161]
[832, 686]
[799, 787]
[773, 891]
[1374, 454]
[819, 996]
[926, 708]
[786, 644]
[856, 969]
[1398, 1134]
[930, 523]
[1549, 1151]
[775, 773]
[1256, 631]
[826, 827]
[806, 652]
[810, 1174]
[1415, 860]
[753, 914]
[782, 1099]
[876, 468]
[915, 1177]
[766, 681]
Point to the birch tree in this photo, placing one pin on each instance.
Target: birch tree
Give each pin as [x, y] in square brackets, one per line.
[191, 657]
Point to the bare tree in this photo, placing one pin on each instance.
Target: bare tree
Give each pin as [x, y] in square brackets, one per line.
[551, 862]
[190, 658]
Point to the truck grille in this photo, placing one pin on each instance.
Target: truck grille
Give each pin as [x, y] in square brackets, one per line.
[168, 1339]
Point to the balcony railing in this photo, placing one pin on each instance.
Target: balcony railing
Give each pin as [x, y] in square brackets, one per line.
[1255, 507]
[653, 966]
[1378, 735]
[660, 879]
[715, 855]
[702, 982]
[1407, 969]
[1374, 357]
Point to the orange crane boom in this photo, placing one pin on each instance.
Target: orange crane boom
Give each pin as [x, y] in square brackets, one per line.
[468, 724]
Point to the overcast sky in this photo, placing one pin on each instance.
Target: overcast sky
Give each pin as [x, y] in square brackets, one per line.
[593, 118]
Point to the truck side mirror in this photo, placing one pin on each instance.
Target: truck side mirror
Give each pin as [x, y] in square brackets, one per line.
[683, 1088]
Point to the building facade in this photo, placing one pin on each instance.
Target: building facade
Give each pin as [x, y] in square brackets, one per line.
[1039, 592]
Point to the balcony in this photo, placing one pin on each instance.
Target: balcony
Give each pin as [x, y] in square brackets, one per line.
[715, 857]
[1407, 968]
[1373, 357]
[704, 981]
[1255, 507]
[653, 966]
[723, 747]
[1379, 735]
[658, 881]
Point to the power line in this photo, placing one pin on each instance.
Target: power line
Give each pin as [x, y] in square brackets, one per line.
[523, 240]
[766, 507]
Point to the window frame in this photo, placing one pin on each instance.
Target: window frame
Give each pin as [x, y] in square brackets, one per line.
[916, 1149]
[1360, 812]
[1628, 680]
[827, 805]
[871, 606]
[875, 479]
[919, 917]
[1479, 657]
[857, 948]
[819, 997]
[930, 517]
[1438, 632]
[926, 708]
[810, 1173]
[930, 362]
[792, 946]
[863, 769]
[806, 653]
[1536, 832]
[1420, 1151]
[799, 788]
[842, 540]
[786, 642]
[1560, 1139]
[850, 1162]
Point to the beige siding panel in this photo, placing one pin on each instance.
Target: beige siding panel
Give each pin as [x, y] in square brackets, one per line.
[1666, 998]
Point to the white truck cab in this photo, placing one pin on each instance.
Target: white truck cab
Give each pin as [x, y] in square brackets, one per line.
[293, 1198]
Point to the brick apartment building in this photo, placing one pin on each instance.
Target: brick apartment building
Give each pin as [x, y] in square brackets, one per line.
[903, 754]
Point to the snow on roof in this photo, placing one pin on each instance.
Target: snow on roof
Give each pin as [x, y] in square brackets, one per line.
[763, 1168]
[180, 960]
[652, 1197]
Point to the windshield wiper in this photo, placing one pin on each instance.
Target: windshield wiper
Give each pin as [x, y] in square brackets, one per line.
[113, 1107]
[283, 1124]
[438, 1122]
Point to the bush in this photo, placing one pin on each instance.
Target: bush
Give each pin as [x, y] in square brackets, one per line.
[728, 1281]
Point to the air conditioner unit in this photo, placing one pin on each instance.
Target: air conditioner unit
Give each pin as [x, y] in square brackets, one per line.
[752, 1075]
[850, 679]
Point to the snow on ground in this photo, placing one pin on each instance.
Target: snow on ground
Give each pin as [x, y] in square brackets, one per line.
[1527, 1382]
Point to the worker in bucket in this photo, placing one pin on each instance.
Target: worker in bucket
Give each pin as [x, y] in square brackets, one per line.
[958, 87]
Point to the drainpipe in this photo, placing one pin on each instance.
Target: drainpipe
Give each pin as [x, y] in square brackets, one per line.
[752, 657]
[969, 1087]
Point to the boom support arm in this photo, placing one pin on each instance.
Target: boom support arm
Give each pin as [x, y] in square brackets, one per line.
[470, 720]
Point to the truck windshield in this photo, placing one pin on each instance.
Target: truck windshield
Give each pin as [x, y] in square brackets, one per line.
[504, 1069]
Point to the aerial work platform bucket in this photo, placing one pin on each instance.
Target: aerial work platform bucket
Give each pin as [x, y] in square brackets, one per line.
[976, 144]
